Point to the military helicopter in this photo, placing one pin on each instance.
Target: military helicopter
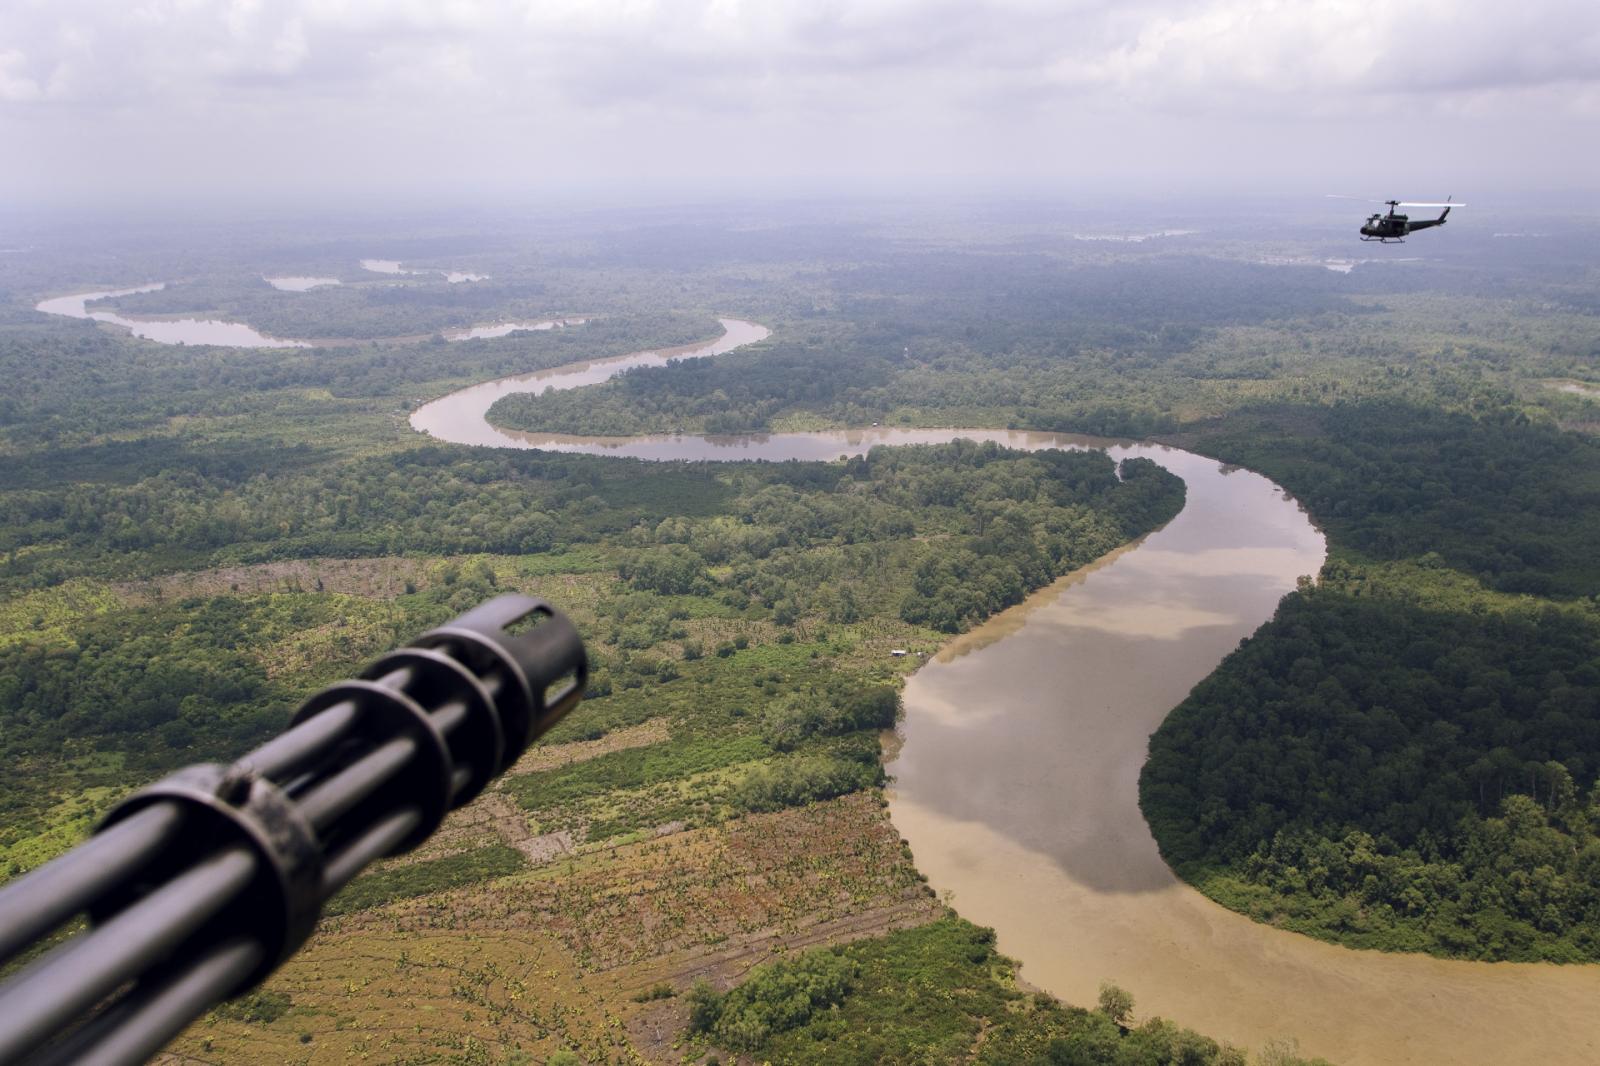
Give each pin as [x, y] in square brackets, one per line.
[1392, 227]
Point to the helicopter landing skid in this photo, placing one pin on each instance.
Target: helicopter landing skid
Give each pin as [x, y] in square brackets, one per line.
[1386, 240]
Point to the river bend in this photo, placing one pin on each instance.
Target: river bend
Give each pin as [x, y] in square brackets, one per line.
[1017, 779]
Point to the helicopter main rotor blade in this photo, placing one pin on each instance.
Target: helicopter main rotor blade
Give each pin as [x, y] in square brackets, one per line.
[1393, 203]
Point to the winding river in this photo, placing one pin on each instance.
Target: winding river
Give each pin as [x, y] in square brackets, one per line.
[178, 329]
[165, 330]
[1016, 782]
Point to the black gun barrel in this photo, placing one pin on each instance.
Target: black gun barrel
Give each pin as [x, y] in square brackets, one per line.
[199, 886]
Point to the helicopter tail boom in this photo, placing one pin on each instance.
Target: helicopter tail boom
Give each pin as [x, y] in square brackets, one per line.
[1430, 222]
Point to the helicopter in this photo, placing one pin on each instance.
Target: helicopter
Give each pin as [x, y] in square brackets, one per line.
[1392, 227]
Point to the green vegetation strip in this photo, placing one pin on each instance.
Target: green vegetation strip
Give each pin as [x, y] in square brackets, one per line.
[937, 993]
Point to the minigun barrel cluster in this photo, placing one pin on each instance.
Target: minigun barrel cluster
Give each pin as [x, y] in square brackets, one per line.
[199, 886]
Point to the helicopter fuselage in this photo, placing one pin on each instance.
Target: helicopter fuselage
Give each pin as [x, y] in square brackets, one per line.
[1393, 227]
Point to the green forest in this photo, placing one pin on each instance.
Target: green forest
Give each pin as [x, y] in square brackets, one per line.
[1407, 757]
[934, 538]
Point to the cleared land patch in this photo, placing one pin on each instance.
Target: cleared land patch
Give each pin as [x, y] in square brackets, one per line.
[555, 957]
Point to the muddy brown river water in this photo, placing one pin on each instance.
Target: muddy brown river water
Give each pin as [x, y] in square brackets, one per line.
[1017, 786]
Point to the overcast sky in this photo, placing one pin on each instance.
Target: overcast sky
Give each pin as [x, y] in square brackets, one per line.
[435, 100]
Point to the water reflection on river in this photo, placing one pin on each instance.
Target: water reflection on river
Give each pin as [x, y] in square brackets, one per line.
[299, 283]
[1035, 726]
[1017, 780]
[505, 329]
[392, 266]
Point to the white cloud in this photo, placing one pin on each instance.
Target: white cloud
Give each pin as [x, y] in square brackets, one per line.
[807, 53]
[1288, 49]
[801, 86]
[16, 87]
